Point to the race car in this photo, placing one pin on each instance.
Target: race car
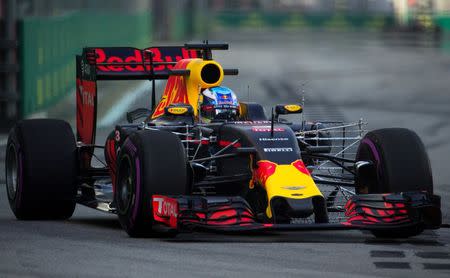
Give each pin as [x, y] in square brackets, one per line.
[201, 160]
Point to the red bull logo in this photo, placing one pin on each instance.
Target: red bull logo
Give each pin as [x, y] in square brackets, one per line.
[301, 167]
[264, 170]
[131, 59]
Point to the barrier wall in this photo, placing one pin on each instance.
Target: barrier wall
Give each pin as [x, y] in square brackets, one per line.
[48, 47]
[443, 21]
[297, 21]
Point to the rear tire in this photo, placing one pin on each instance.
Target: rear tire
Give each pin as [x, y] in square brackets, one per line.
[41, 169]
[400, 164]
[150, 162]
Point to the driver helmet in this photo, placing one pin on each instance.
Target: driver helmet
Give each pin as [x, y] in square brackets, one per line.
[219, 103]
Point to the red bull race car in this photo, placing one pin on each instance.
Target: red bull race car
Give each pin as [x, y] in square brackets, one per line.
[200, 160]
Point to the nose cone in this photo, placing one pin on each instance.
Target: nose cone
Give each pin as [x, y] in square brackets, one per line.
[283, 209]
[286, 183]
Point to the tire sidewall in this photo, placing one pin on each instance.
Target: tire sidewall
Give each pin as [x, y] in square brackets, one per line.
[158, 166]
[400, 160]
[15, 201]
[133, 217]
[368, 150]
[34, 143]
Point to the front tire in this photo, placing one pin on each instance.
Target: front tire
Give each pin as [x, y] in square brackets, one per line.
[150, 162]
[399, 164]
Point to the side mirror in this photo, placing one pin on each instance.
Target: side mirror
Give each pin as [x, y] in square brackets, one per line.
[286, 109]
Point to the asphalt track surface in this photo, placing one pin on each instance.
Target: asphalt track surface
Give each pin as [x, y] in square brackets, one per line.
[386, 81]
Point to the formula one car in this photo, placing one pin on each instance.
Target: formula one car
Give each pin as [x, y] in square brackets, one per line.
[199, 160]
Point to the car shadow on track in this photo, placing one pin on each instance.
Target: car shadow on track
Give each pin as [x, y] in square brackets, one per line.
[349, 237]
[106, 223]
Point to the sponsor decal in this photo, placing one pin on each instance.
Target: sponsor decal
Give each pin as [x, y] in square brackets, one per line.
[225, 105]
[301, 167]
[165, 210]
[264, 128]
[270, 139]
[166, 207]
[278, 150]
[249, 122]
[177, 110]
[264, 170]
[135, 57]
[85, 68]
[293, 107]
[85, 98]
[293, 187]
[87, 95]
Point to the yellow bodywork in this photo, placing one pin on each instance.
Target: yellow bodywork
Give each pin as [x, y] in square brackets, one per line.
[293, 107]
[286, 181]
[194, 81]
[186, 89]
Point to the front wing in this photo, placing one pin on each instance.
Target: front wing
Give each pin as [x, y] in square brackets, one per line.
[233, 214]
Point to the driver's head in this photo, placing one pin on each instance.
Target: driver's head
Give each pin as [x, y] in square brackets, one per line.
[219, 103]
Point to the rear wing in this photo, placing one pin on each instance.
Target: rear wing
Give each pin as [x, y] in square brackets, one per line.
[129, 63]
[118, 63]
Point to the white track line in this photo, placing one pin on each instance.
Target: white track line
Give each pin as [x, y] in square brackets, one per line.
[118, 110]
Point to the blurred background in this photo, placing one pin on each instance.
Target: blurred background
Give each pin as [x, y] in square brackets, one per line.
[39, 38]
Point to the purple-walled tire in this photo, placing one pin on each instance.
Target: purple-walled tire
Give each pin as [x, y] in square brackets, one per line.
[40, 169]
[399, 164]
[150, 162]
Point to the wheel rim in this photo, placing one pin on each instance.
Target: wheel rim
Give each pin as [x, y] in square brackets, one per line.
[11, 172]
[125, 187]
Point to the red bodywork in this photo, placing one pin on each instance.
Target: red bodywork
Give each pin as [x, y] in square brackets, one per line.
[175, 91]
[233, 214]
